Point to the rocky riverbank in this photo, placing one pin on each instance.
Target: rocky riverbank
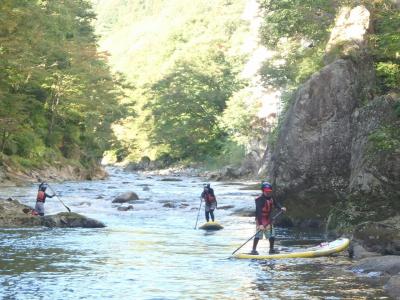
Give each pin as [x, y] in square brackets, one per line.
[16, 175]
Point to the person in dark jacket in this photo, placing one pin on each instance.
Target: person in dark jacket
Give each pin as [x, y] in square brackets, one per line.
[210, 202]
[264, 222]
[41, 198]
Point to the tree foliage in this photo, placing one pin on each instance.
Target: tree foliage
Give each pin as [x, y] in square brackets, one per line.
[186, 104]
[184, 64]
[57, 94]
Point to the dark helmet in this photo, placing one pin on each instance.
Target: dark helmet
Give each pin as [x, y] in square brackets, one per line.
[206, 185]
[266, 186]
[43, 186]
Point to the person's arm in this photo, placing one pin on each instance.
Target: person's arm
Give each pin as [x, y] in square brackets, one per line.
[50, 196]
[278, 205]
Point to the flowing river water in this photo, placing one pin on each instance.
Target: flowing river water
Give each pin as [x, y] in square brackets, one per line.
[154, 252]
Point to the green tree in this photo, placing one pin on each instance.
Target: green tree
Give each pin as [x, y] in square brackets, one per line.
[186, 104]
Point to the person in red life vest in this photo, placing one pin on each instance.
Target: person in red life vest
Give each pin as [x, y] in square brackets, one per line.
[210, 202]
[264, 206]
[41, 198]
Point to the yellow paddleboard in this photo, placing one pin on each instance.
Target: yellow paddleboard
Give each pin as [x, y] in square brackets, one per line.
[323, 249]
[211, 226]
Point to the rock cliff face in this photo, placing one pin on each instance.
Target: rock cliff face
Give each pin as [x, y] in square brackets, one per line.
[324, 162]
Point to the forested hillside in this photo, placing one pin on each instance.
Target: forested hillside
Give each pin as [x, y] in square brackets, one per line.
[184, 60]
[58, 97]
[184, 98]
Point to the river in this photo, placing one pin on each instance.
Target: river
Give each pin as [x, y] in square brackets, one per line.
[154, 252]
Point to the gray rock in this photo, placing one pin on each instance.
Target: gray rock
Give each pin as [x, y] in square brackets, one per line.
[15, 214]
[125, 208]
[359, 252]
[70, 220]
[392, 287]
[169, 205]
[388, 264]
[226, 207]
[171, 179]
[349, 32]
[126, 197]
[12, 215]
[382, 237]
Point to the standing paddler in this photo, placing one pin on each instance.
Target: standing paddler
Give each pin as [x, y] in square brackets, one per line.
[41, 198]
[210, 201]
[264, 222]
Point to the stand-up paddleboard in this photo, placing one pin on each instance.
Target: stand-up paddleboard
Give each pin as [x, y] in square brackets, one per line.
[323, 249]
[211, 226]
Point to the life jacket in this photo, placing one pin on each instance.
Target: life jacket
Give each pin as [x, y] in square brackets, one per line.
[267, 209]
[41, 196]
[210, 198]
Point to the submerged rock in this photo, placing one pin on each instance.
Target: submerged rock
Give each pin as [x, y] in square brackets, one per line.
[382, 268]
[169, 205]
[15, 214]
[388, 264]
[126, 197]
[392, 287]
[170, 179]
[125, 208]
[226, 207]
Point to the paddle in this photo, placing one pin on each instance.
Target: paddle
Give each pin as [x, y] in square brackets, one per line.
[201, 201]
[273, 219]
[69, 210]
[246, 242]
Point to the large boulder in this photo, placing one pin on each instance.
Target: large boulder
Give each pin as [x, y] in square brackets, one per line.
[17, 215]
[70, 220]
[12, 215]
[382, 237]
[310, 163]
[325, 162]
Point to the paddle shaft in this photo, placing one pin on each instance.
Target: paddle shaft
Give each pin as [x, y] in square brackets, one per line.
[198, 214]
[246, 242]
[273, 219]
[69, 210]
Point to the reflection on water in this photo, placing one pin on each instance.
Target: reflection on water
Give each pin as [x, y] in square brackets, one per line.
[153, 252]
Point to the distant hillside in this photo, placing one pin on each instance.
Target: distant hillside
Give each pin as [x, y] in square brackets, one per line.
[183, 53]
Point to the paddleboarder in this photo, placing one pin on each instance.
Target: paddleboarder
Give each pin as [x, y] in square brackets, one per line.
[264, 222]
[41, 198]
[210, 201]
